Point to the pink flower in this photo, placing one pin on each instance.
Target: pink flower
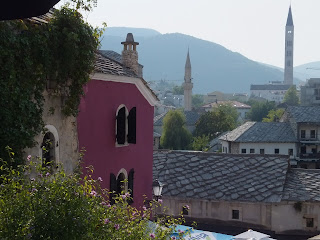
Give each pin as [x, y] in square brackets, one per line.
[187, 207]
[109, 205]
[117, 226]
[127, 194]
[173, 238]
[152, 235]
[160, 200]
[34, 190]
[123, 197]
[144, 208]
[40, 174]
[29, 157]
[47, 174]
[103, 203]
[100, 179]
[106, 221]
[180, 231]
[93, 193]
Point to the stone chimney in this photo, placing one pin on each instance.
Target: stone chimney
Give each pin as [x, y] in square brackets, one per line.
[130, 55]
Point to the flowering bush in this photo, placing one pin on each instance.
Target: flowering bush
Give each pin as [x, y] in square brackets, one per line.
[35, 204]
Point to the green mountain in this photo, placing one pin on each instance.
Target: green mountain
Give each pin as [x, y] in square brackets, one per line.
[214, 68]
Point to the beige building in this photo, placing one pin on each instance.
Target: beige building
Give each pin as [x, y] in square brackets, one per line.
[233, 190]
[310, 93]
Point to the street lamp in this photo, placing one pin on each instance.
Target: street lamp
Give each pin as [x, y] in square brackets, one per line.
[157, 188]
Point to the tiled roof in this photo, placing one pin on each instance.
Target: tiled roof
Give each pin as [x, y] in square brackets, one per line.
[191, 118]
[109, 66]
[112, 55]
[305, 114]
[227, 177]
[42, 19]
[235, 104]
[302, 185]
[263, 132]
[155, 134]
[270, 87]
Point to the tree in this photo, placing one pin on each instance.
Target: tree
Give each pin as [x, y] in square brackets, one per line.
[274, 115]
[221, 119]
[200, 143]
[260, 110]
[291, 97]
[197, 100]
[175, 135]
[177, 90]
[61, 51]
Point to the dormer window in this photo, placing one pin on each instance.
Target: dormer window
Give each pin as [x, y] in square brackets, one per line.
[125, 126]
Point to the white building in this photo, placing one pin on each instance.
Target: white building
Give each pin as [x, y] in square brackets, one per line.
[270, 92]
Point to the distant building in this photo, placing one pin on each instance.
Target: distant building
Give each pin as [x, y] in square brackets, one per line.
[187, 85]
[234, 191]
[241, 108]
[289, 40]
[220, 96]
[310, 92]
[297, 135]
[271, 92]
[156, 140]
[261, 138]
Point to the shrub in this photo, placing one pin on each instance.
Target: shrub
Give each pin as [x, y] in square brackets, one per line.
[35, 204]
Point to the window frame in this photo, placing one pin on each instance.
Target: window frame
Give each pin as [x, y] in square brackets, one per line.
[243, 150]
[262, 150]
[276, 151]
[252, 150]
[303, 136]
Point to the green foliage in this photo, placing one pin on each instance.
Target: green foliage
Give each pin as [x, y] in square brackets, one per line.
[175, 135]
[274, 115]
[177, 90]
[291, 97]
[200, 143]
[260, 110]
[197, 100]
[61, 52]
[61, 206]
[220, 119]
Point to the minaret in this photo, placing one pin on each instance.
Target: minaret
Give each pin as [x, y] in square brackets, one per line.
[288, 62]
[187, 85]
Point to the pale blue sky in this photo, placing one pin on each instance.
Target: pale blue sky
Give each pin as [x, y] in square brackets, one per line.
[254, 28]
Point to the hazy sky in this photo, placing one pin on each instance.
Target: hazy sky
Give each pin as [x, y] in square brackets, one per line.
[254, 28]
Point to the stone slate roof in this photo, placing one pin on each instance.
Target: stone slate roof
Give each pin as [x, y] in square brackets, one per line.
[262, 132]
[270, 87]
[305, 114]
[112, 55]
[302, 185]
[235, 104]
[191, 118]
[109, 66]
[227, 177]
[155, 134]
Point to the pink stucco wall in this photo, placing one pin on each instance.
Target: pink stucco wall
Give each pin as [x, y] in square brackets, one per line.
[96, 129]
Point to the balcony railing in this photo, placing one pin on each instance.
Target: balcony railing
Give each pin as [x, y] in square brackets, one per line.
[309, 155]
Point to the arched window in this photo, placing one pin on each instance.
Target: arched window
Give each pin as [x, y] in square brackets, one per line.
[48, 150]
[125, 126]
[121, 183]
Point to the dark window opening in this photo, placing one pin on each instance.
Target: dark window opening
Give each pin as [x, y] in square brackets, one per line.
[243, 150]
[313, 134]
[121, 126]
[290, 152]
[130, 185]
[235, 214]
[303, 133]
[48, 150]
[261, 151]
[113, 187]
[185, 210]
[303, 150]
[251, 150]
[276, 151]
[121, 183]
[132, 126]
[309, 222]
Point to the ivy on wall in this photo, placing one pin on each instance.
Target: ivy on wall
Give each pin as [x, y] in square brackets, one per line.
[61, 52]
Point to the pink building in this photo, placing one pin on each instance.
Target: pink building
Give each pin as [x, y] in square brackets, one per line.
[115, 123]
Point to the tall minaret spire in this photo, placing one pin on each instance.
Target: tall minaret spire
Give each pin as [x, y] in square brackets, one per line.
[288, 62]
[187, 85]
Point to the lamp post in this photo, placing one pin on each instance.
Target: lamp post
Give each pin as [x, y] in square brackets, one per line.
[157, 189]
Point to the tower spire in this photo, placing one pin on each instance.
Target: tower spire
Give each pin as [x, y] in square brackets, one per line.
[289, 39]
[187, 85]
